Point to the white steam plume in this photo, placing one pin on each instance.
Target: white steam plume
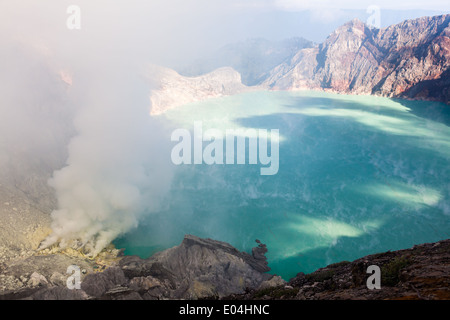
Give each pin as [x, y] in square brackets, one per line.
[118, 169]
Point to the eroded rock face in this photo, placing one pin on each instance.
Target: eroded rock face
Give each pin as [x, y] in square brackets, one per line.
[205, 268]
[197, 268]
[409, 60]
[419, 273]
[169, 89]
[252, 58]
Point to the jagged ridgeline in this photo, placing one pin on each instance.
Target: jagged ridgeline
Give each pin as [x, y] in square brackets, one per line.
[409, 60]
[253, 58]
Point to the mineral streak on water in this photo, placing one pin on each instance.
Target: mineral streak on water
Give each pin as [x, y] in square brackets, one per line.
[357, 175]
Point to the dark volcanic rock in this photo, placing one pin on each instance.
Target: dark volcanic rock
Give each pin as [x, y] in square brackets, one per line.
[98, 284]
[199, 268]
[419, 273]
[59, 293]
[259, 254]
[209, 269]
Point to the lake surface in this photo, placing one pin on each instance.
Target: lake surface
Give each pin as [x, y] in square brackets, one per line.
[357, 175]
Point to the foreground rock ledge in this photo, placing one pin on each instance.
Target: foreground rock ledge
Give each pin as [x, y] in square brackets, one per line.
[209, 269]
[419, 273]
[195, 269]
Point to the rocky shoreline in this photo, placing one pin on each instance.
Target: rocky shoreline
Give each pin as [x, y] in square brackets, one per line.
[197, 268]
[419, 273]
[209, 269]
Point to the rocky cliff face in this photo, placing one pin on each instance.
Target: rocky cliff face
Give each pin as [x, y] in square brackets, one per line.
[408, 60]
[418, 273]
[209, 269]
[252, 58]
[197, 268]
[169, 89]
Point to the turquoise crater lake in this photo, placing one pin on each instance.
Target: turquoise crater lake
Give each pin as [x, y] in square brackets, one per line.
[357, 175]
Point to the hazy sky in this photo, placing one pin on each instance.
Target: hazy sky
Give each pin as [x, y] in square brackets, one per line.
[168, 30]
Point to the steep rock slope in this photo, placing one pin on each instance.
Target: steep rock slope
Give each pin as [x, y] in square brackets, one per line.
[209, 269]
[169, 89]
[200, 268]
[410, 59]
[419, 273]
[197, 268]
[252, 58]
